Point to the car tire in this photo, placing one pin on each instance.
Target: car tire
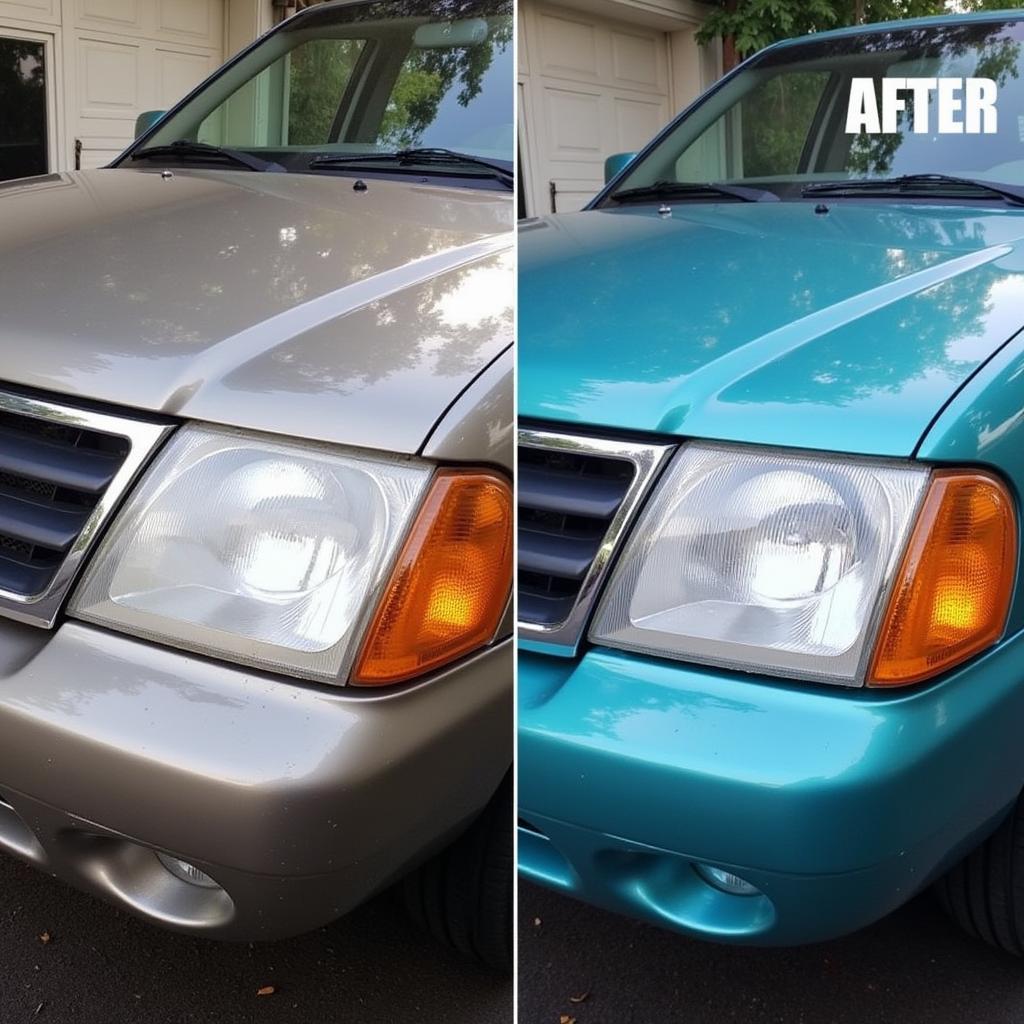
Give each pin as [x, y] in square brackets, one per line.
[463, 895]
[984, 893]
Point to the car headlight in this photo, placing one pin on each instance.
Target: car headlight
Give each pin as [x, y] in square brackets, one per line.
[782, 563]
[268, 553]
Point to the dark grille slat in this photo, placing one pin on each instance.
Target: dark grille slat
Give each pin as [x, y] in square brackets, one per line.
[38, 524]
[579, 496]
[53, 474]
[572, 494]
[20, 578]
[567, 501]
[556, 554]
[541, 608]
[23, 455]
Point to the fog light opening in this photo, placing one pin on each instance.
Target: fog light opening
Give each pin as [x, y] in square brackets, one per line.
[726, 881]
[181, 869]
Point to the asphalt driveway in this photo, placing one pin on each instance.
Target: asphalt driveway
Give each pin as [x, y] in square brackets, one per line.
[70, 959]
[912, 968]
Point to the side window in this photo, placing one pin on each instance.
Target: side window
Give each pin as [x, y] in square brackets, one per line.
[762, 136]
[24, 82]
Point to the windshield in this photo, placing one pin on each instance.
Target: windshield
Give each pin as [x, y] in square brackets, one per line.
[781, 123]
[372, 78]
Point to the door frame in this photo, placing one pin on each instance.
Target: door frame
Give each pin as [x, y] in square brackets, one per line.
[526, 156]
[53, 56]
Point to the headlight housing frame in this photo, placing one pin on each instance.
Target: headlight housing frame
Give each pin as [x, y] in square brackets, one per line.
[691, 621]
[263, 551]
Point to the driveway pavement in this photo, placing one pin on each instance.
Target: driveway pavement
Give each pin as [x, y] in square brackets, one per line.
[96, 965]
[912, 968]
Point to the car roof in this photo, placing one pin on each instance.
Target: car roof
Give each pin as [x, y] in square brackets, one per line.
[932, 21]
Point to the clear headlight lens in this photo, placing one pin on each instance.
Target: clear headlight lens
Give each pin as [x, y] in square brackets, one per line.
[765, 561]
[266, 552]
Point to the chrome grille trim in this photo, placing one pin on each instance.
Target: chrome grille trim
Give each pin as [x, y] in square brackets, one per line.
[143, 438]
[647, 461]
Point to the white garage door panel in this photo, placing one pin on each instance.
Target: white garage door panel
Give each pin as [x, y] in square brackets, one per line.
[636, 122]
[193, 21]
[568, 48]
[31, 11]
[199, 22]
[178, 73]
[595, 87]
[573, 122]
[117, 81]
[99, 150]
[108, 79]
[135, 55]
[638, 62]
[116, 15]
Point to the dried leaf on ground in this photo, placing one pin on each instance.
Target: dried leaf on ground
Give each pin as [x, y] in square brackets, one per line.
[266, 990]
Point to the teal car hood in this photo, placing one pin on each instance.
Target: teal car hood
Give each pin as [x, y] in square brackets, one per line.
[845, 330]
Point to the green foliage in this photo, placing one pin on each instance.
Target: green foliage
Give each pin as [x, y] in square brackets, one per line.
[319, 71]
[752, 24]
[777, 118]
[412, 105]
[428, 75]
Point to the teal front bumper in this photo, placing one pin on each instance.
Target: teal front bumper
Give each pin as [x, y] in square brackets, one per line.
[838, 805]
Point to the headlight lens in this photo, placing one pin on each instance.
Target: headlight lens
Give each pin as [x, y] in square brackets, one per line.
[765, 561]
[266, 552]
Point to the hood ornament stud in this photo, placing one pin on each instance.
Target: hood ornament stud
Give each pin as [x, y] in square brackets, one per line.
[664, 211]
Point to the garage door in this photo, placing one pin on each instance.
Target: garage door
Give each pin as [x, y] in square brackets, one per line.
[102, 62]
[126, 56]
[590, 87]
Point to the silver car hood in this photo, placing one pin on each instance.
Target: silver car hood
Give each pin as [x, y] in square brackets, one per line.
[278, 302]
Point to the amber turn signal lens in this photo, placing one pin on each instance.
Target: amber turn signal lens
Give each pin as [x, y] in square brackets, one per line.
[451, 584]
[953, 590]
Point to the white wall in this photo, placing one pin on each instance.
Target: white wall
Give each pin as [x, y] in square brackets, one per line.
[109, 60]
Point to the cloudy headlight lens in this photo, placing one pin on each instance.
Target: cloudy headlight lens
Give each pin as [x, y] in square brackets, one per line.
[765, 561]
[266, 552]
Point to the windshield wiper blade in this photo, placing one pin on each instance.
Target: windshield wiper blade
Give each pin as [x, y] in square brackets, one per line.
[695, 189]
[183, 148]
[424, 155]
[439, 155]
[907, 184]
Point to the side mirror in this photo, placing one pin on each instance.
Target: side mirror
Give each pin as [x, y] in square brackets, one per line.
[146, 120]
[616, 163]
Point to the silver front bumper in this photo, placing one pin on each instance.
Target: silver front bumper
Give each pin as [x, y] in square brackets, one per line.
[299, 801]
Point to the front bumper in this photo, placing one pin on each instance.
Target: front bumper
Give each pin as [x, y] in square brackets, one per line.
[299, 801]
[837, 805]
